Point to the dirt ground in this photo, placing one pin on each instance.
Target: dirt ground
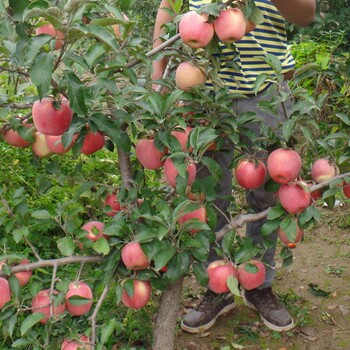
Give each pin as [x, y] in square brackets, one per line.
[323, 323]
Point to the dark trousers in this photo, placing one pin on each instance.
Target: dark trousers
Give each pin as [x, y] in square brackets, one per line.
[258, 199]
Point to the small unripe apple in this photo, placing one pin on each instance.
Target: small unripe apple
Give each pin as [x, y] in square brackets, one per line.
[324, 169]
[283, 165]
[5, 293]
[171, 172]
[251, 274]
[218, 273]
[93, 142]
[39, 146]
[188, 75]
[230, 26]
[80, 289]
[50, 117]
[294, 197]
[41, 303]
[50, 30]
[148, 154]
[250, 174]
[134, 257]
[194, 29]
[142, 293]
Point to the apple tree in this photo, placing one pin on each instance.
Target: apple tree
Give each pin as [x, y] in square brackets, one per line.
[76, 84]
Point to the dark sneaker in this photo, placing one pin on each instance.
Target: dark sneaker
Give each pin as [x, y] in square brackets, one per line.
[205, 314]
[274, 315]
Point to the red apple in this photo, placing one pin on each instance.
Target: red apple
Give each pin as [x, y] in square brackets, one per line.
[182, 137]
[324, 169]
[142, 293]
[250, 173]
[346, 189]
[188, 75]
[251, 274]
[218, 272]
[50, 30]
[250, 26]
[39, 146]
[112, 201]
[24, 276]
[284, 238]
[199, 214]
[41, 303]
[230, 26]
[13, 138]
[82, 343]
[148, 154]
[55, 145]
[116, 27]
[315, 195]
[82, 290]
[294, 197]
[194, 29]
[93, 142]
[133, 256]
[94, 230]
[171, 172]
[5, 293]
[50, 117]
[283, 165]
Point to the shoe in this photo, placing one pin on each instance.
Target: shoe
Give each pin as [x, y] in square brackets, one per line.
[274, 315]
[209, 309]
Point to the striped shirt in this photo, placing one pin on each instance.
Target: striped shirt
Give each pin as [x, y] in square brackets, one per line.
[269, 37]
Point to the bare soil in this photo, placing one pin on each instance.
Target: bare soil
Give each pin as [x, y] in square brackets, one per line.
[322, 323]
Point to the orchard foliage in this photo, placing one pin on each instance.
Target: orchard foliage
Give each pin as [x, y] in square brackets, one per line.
[46, 201]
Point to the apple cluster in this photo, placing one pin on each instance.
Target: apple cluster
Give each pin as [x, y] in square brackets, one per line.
[284, 166]
[250, 275]
[197, 31]
[51, 120]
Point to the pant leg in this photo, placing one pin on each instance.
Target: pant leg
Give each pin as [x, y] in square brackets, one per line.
[259, 199]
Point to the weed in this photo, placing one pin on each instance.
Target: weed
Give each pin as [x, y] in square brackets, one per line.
[334, 270]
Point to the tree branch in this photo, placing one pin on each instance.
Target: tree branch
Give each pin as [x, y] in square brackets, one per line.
[76, 259]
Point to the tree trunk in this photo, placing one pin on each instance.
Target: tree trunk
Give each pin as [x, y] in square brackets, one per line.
[164, 329]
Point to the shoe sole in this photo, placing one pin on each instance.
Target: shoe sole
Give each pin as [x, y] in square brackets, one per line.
[208, 325]
[266, 322]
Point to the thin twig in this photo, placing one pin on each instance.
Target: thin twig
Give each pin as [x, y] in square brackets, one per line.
[94, 315]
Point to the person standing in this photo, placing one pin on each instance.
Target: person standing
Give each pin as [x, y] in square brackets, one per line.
[269, 37]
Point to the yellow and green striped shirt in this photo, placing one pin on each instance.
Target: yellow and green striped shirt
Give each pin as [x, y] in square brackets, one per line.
[269, 37]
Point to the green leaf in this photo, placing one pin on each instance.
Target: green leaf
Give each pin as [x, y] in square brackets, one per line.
[66, 246]
[107, 330]
[18, 8]
[41, 215]
[200, 271]
[260, 81]
[19, 233]
[164, 255]
[78, 300]
[75, 93]
[14, 286]
[232, 284]
[275, 213]
[31, 321]
[103, 34]
[41, 72]
[101, 246]
[314, 290]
